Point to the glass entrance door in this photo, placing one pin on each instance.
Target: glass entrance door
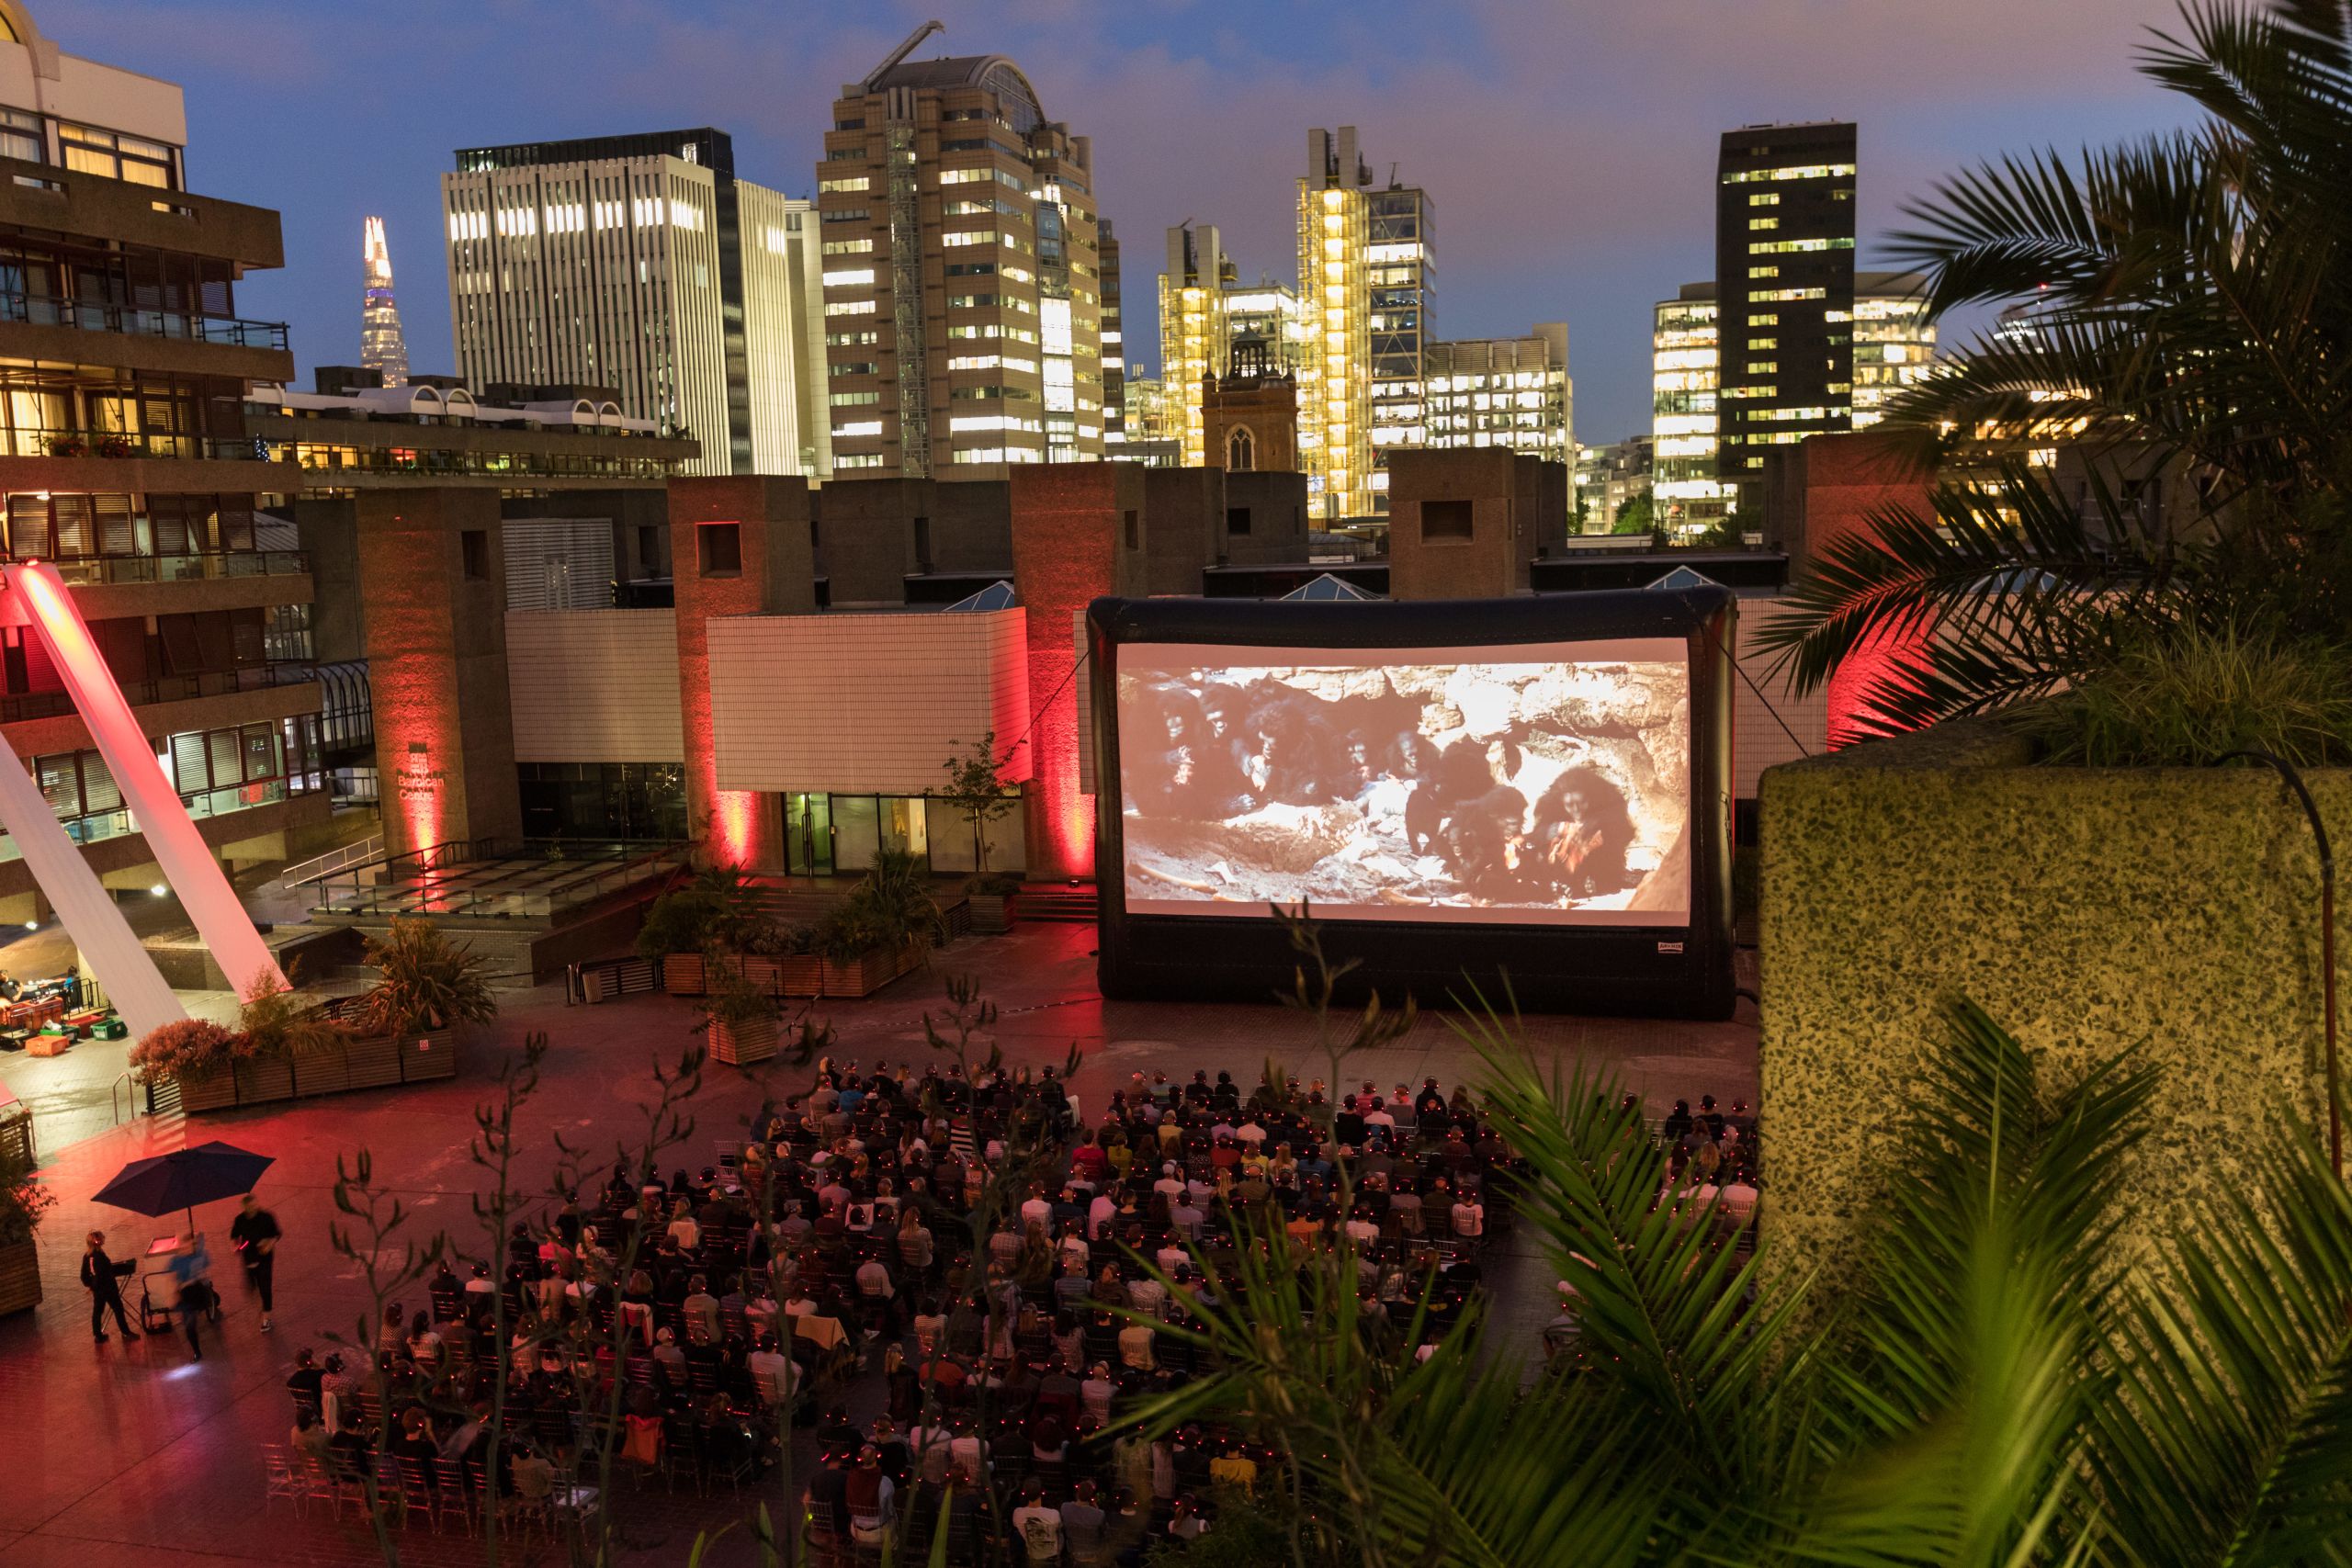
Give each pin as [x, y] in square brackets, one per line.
[809, 834]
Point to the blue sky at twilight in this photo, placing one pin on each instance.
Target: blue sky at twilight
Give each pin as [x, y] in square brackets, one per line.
[1569, 144]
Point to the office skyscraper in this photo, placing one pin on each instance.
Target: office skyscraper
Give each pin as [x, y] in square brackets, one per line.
[962, 272]
[1784, 269]
[1115, 411]
[1401, 282]
[1504, 391]
[643, 264]
[1334, 381]
[1194, 340]
[381, 345]
[1688, 490]
[1895, 343]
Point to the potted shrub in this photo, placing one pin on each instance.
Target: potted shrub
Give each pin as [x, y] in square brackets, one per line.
[68, 447]
[740, 1013]
[881, 931]
[23, 1200]
[427, 987]
[285, 1039]
[992, 898]
[197, 1052]
[715, 907]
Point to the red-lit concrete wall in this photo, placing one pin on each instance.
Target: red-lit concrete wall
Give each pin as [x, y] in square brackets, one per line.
[1078, 534]
[737, 827]
[436, 666]
[1827, 491]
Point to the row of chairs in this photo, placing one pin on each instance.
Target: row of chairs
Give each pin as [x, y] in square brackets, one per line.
[415, 1491]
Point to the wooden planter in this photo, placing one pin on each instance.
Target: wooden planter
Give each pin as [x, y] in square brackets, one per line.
[765, 973]
[20, 1276]
[377, 1063]
[209, 1092]
[739, 1046]
[428, 1056]
[321, 1072]
[870, 970]
[992, 913]
[265, 1080]
[800, 976]
[682, 976]
[374, 1062]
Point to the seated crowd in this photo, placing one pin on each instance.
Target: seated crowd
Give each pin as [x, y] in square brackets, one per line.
[832, 1259]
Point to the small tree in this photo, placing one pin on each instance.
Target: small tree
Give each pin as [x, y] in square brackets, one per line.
[975, 789]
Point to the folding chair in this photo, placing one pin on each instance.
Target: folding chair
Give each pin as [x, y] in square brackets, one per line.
[452, 1498]
[279, 1478]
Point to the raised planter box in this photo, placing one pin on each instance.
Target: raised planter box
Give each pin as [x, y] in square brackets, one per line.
[429, 1057]
[379, 1063]
[2173, 913]
[740, 1045]
[321, 1072]
[682, 974]
[800, 976]
[870, 970]
[209, 1092]
[20, 1276]
[375, 1062]
[993, 914]
[260, 1080]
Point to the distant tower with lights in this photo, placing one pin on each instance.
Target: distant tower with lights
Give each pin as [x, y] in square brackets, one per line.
[381, 346]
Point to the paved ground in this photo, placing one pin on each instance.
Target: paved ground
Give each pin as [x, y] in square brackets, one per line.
[135, 1454]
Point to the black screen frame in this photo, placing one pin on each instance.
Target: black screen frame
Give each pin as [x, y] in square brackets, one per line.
[1661, 971]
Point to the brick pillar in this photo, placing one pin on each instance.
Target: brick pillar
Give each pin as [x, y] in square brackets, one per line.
[760, 524]
[1830, 487]
[434, 574]
[1071, 545]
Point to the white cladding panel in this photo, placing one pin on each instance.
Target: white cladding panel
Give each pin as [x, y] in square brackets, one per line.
[594, 685]
[865, 704]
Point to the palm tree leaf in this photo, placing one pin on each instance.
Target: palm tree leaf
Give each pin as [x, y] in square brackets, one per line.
[2232, 1433]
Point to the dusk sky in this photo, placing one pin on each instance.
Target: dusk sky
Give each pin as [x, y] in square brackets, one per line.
[1569, 145]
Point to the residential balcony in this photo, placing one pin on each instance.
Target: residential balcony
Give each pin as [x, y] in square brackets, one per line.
[87, 205]
[26, 706]
[45, 329]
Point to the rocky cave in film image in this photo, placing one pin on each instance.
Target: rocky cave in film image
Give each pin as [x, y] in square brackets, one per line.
[1531, 787]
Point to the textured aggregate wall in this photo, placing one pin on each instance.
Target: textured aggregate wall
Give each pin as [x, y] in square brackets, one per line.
[2174, 912]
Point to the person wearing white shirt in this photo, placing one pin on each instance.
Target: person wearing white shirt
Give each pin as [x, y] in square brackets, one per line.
[1148, 1295]
[1469, 1217]
[773, 1374]
[1098, 1215]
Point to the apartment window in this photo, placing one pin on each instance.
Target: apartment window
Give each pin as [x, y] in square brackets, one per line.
[1135, 530]
[20, 137]
[1237, 520]
[1445, 520]
[718, 549]
[473, 552]
[94, 151]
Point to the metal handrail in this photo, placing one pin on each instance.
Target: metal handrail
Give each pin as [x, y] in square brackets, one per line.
[361, 851]
[101, 316]
[129, 1088]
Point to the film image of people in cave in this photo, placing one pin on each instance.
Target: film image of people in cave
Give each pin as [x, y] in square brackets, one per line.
[1522, 791]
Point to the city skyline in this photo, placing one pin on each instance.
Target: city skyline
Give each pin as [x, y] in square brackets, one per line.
[1618, 218]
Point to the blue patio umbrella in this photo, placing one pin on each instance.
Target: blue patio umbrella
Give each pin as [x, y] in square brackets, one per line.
[184, 1178]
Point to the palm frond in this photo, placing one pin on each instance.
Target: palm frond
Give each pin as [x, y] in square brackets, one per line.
[1957, 1409]
[1439, 1460]
[2231, 1431]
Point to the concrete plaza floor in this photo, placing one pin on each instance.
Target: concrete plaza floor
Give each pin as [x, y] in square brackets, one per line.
[137, 1454]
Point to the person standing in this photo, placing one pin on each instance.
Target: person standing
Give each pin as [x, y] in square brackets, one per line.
[102, 1277]
[255, 1233]
[191, 1271]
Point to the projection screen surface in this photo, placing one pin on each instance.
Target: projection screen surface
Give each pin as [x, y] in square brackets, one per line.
[1522, 783]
